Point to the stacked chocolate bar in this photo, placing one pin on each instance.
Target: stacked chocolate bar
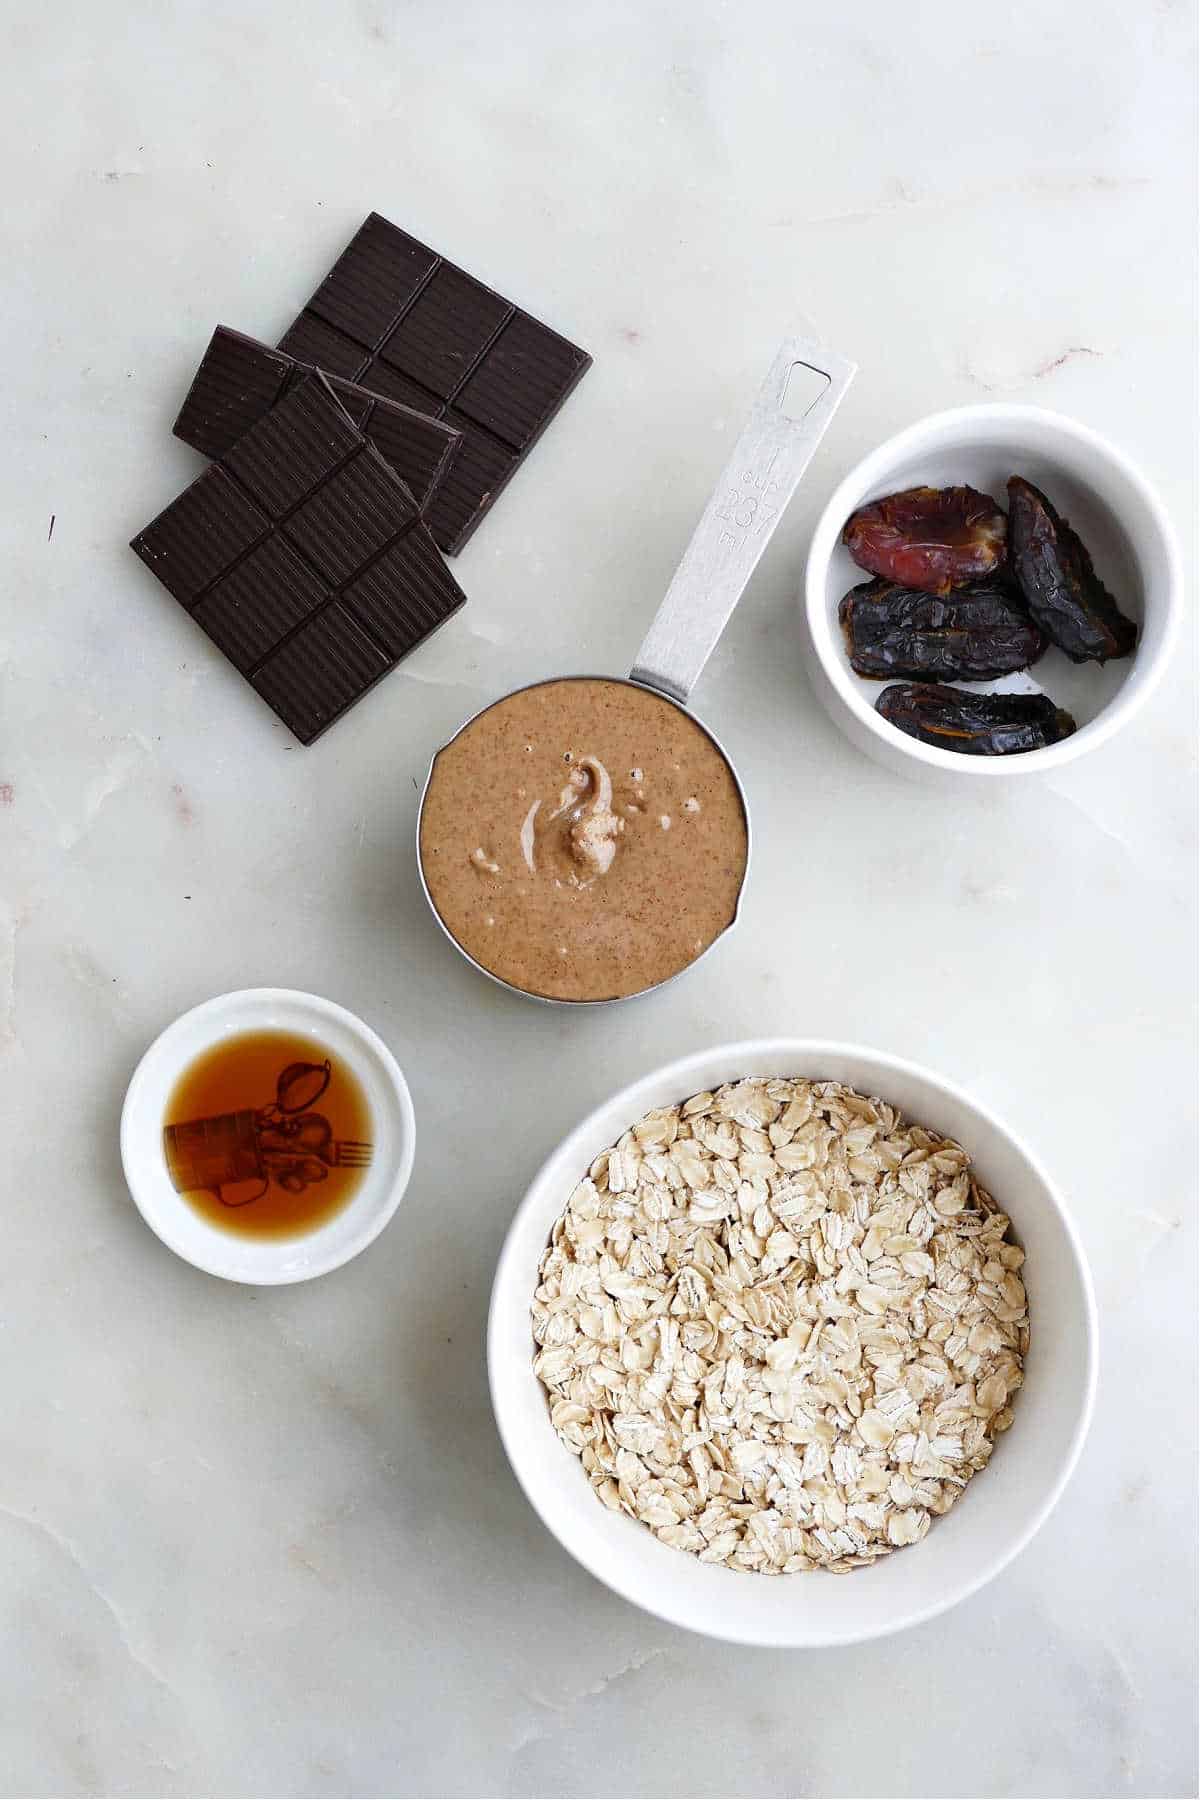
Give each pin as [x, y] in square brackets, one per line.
[345, 463]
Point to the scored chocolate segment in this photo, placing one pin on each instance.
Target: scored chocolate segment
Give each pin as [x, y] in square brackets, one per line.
[189, 549]
[481, 467]
[294, 448]
[351, 518]
[445, 331]
[395, 317]
[311, 340]
[303, 556]
[254, 607]
[372, 281]
[320, 672]
[239, 380]
[404, 594]
[512, 387]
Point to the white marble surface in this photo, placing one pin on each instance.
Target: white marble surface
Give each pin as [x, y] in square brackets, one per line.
[266, 1542]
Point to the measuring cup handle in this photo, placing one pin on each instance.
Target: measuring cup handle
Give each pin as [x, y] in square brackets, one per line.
[736, 526]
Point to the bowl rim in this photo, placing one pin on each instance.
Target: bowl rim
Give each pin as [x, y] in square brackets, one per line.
[166, 1046]
[1125, 703]
[744, 1053]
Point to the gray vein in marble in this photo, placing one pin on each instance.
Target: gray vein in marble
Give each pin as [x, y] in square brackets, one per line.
[121, 1625]
[1092, 814]
[83, 967]
[639, 1660]
[118, 769]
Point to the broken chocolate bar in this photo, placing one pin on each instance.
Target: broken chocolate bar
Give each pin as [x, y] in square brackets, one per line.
[240, 379]
[399, 319]
[303, 556]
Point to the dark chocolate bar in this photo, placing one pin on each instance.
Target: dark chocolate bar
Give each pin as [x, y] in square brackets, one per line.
[240, 379]
[399, 319]
[303, 555]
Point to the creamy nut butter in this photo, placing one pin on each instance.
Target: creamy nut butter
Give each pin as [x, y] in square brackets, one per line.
[583, 839]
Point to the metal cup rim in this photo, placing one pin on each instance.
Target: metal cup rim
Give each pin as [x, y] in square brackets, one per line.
[611, 999]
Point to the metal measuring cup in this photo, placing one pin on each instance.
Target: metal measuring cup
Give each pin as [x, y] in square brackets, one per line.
[763, 472]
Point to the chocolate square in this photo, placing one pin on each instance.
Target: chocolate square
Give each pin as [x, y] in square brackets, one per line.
[403, 595]
[445, 331]
[520, 377]
[362, 293]
[255, 606]
[188, 551]
[303, 556]
[350, 517]
[239, 380]
[320, 672]
[296, 447]
[395, 316]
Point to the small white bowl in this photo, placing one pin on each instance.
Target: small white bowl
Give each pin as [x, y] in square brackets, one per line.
[1110, 504]
[268, 1262]
[1003, 1507]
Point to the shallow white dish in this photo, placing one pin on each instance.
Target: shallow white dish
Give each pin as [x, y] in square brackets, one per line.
[268, 1262]
[1111, 505]
[1002, 1508]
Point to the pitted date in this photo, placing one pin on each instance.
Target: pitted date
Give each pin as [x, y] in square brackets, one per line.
[928, 538]
[974, 724]
[1061, 588]
[976, 632]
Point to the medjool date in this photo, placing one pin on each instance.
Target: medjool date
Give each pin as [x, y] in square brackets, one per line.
[928, 538]
[974, 724]
[1061, 588]
[972, 634]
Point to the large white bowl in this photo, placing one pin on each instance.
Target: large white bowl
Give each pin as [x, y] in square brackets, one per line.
[1111, 505]
[268, 1262]
[999, 1512]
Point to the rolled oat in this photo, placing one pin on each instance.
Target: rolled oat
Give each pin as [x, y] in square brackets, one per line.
[781, 1326]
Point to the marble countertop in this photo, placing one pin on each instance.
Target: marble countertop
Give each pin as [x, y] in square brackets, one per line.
[266, 1542]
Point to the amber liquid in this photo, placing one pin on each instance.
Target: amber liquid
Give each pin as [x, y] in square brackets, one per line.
[231, 1086]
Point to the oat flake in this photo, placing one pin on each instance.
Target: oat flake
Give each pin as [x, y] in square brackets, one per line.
[781, 1326]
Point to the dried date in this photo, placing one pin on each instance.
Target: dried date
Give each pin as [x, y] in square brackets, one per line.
[928, 538]
[974, 724]
[972, 634]
[1061, 588]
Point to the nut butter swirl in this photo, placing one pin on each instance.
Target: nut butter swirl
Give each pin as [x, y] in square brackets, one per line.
[614, 886]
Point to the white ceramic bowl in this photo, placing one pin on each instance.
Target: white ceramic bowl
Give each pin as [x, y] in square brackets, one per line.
[1107, 500]
[1002, 1508]
[268, 1262]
